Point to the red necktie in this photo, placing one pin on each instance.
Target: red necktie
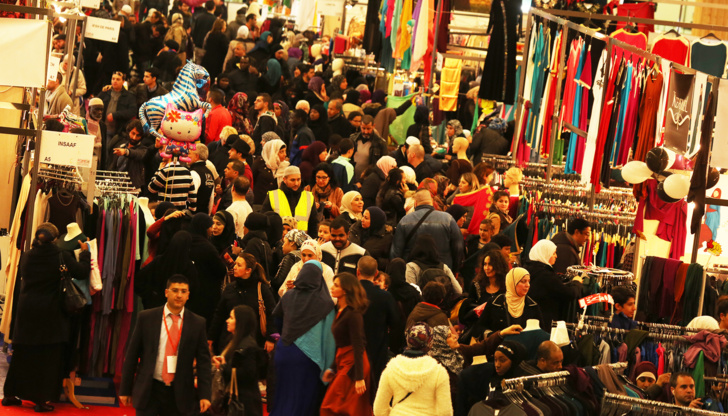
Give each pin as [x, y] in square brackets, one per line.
[170, 350]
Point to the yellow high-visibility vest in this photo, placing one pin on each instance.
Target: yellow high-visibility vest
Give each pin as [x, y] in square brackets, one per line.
[279, 202]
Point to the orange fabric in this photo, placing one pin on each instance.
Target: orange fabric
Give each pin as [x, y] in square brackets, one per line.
[341, 397]
[682, 271]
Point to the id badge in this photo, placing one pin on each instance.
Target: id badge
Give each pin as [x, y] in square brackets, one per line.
[171, 364]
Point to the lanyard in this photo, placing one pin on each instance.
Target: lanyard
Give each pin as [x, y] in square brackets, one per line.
[169, 337]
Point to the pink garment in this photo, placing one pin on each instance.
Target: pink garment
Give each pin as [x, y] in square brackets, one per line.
[709, 343]
[660, 359]
[672, 217]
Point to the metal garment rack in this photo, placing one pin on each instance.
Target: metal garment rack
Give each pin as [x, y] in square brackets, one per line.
[590, 329]
[518, 384]
[114, 183]
[649, 325]
[643, 405]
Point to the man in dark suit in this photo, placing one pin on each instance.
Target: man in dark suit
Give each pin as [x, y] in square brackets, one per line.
[161, 354]
[380, 319]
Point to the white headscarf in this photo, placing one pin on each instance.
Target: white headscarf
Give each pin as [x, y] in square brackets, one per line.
[542, 251]
[409, 175]
[346, 204]
[270, 156]
[243, 32]
[386, 163]
[313, 246]
[515, 303]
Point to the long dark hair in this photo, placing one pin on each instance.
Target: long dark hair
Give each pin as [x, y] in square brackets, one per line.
[245, 326]
[393, 180]
[356, 297]
[425, 251]
[500, 267]
[252, 263]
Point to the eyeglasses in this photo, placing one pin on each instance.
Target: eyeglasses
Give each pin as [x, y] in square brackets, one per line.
[322, 177]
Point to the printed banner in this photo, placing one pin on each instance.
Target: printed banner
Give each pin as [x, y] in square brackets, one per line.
[66, 149]
[679, 111]
[595, 298]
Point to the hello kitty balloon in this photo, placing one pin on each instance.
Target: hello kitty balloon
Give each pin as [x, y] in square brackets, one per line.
[180, 129]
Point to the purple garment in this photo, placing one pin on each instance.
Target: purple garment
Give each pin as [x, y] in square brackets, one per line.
[415, 14]
[709, 343]
[667, 297]
[622, 353]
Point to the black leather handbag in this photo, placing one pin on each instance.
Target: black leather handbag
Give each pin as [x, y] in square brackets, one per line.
[73, 299]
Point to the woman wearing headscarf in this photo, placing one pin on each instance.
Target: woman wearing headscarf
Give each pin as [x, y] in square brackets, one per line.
[348, 393]
[312, 156]
[316, 92]
[291, 249]
[483, 381]
[294, 57]
[306, 347]
[275, 235]
[318, 122]
[406, 297]
[238, 108]
[448, 357]
[554, 297]
[373, 177]
[391, 196]
[283, 115]
[413, 382]
[310, 250]
[514, 307]
[151, 281]
[453, 129]
[42, 327]
[263, 49]
[372, 234]
[223, 236]
[326, 193]
[270, 82]
[352, 102]
[352, 206]
[268, 170]
[211, 269]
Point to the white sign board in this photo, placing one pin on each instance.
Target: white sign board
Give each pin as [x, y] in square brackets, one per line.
[102, 29]
[91, 4]
[331, 7]
[67, 149]
[23, 43]
[54, 64]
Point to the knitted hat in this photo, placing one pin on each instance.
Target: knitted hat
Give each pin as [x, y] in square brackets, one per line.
[256, 222]
[412, 140]
[312, 246]
[243, 32]
[498, 124]
[241, 147]
[291, 170]
[457, 211]
[419, 336]
[645, 369]
[95, 101]
[268, 136]
[297, 237]
[127, 9]
[289, 221]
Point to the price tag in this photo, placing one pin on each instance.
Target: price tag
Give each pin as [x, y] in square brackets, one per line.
[596, 298]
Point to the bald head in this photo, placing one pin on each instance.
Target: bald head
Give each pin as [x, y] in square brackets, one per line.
[549, 357]
[423, 197]
[366, 269]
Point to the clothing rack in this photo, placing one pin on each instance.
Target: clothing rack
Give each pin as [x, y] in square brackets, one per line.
[644, 405]
[648, 325]
[587, 328]
[59, 172]
[518, 384]
[114, 183]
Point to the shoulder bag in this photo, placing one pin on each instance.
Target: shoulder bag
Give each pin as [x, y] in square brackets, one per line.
[73, 298]
[261, 312]
[414, 230]
[235, 406]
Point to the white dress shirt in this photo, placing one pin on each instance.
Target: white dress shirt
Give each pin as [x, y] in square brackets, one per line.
[162, 350]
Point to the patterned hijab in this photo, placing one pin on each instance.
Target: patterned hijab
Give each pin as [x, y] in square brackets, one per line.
[449, 358]
[238, 108]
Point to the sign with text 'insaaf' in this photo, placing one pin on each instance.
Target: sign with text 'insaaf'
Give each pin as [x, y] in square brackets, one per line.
[67, 149]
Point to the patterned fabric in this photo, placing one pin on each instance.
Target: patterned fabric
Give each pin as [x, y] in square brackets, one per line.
[419, 336]
[238, 108]
[451, 359]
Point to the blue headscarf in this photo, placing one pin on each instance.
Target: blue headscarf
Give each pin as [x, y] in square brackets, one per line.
[274, 72]
[262, 43]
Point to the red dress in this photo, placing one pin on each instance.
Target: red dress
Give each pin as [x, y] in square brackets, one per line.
[480, 200]
[351, 364]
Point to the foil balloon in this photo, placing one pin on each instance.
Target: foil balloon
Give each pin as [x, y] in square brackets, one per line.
[657, 159]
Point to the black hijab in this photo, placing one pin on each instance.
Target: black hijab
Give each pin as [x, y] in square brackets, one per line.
[306, 304]
[320, 127]
[226, 238]
[275, 228]
[398, 287]
[199, 225]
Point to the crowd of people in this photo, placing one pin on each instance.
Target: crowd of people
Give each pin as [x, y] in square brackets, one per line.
[329, 270]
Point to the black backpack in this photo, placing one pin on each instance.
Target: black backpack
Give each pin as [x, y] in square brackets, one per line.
[432, 274]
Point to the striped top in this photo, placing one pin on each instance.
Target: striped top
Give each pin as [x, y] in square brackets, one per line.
[174, 183]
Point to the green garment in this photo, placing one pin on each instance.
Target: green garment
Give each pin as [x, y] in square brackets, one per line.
[398, 128]
[698, 373]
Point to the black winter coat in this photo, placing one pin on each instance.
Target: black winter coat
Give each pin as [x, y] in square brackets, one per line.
[263, 179]
[495, 316]
[552, 294]
[211, 271]
[370, 187]
[126, 108]
[567, 254]
[377, 244]
[40, 318]
[256, 244]
[391, 201]
[241, 292]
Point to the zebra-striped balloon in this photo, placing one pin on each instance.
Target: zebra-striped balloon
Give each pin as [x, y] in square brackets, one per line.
[183, 96]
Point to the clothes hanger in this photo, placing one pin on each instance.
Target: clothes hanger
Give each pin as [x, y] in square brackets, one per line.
[711, 35]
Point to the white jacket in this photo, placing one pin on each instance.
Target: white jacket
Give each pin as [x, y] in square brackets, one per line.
[424, 378]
